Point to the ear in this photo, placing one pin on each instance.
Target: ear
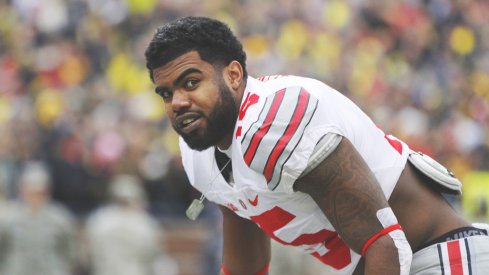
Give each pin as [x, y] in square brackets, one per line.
[234, 74]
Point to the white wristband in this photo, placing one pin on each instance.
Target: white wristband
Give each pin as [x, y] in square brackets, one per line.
[387, 218]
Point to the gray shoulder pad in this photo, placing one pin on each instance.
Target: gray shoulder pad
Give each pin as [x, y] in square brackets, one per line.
[326, 145]
[437, 172]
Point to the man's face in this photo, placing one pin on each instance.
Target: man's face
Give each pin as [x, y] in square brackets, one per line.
[200, 105]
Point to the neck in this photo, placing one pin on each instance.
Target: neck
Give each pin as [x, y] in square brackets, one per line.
[225, 142]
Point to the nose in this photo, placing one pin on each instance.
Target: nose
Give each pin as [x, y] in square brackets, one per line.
[180, 101]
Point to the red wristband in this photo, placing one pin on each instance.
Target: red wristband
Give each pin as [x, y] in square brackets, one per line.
[378, 235]
[263, 271]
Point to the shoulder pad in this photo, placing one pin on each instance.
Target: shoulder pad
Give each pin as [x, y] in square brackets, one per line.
[437, 172]
[269, 142]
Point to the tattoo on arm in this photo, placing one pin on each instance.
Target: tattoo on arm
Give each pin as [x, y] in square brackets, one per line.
[348, 193]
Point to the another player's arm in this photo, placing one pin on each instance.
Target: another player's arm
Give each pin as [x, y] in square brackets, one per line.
[349, 195]
[246, 247]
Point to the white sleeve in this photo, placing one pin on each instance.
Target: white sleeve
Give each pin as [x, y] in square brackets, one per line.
[278, 144]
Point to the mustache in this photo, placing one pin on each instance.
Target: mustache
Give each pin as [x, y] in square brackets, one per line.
[183, 112]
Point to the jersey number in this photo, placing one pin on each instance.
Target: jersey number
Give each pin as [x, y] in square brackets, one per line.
[249, 100]
[338, 255]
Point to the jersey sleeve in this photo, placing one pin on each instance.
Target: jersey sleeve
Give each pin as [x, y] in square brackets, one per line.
[278, 145]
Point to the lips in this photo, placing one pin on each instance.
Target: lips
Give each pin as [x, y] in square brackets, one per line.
[188, 122]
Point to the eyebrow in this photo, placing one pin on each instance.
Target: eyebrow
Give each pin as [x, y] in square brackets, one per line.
[184, 74]
[179, 79]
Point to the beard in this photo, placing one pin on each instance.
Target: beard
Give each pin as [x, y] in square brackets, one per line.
[220, 122]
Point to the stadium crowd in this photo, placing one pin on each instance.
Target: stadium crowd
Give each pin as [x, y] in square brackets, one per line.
[76, 96]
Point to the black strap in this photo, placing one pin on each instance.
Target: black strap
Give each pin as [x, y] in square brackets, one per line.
[456, 234]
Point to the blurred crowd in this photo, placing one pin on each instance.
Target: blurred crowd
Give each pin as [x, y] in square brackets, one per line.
[75, 96]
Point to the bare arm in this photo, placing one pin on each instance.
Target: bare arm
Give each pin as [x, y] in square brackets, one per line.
[246, 247]
[349, 195]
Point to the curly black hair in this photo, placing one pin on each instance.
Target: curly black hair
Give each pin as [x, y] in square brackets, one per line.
[212, 39]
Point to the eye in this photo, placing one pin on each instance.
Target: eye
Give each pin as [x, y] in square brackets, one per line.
[166, 94]
[191, 84]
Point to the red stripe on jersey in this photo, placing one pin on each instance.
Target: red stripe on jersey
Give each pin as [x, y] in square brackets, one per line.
[238, 131]
[396, 144]
[258, 136]
[296, 119]
[455, 258]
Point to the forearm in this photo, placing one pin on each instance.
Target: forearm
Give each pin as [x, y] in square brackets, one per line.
[382, 257]
[246, 248]
[245, 264]
[351, 198]
[384, 246]
[263, 271]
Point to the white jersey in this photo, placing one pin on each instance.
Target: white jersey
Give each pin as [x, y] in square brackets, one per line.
[281, 119]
